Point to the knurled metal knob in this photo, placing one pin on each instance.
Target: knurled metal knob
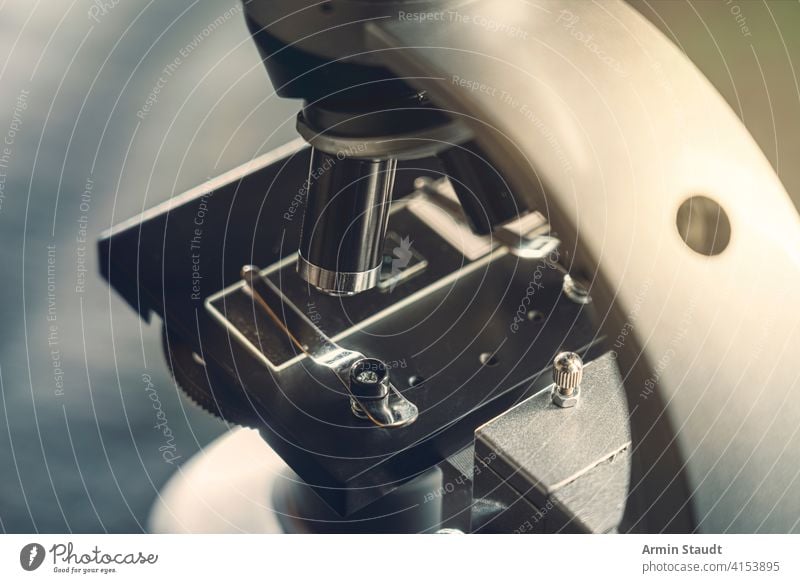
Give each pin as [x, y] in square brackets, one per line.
[567, 375]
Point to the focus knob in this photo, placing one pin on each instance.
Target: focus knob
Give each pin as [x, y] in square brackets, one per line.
[567, 372]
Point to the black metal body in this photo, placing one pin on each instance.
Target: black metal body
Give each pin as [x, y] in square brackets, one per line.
[248, 217]
[485, 197]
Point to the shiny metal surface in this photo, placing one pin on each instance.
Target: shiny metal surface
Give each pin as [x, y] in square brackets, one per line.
[527, 246]
[567, 375]
[525, 238]
[620, 144]
[337, 282]
[387, 409]
[398, 287]
[347, 202]
[565, 401]
[567, 372]
[575, 290]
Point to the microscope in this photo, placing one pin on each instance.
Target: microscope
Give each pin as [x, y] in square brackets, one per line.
[495, 284]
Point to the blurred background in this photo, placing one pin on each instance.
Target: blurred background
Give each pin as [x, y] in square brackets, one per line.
[110, 107]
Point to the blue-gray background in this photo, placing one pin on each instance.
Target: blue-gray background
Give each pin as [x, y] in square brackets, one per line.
[88, 460]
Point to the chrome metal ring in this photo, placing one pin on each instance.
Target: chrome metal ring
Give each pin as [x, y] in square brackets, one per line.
[409, 146]
[337, 282]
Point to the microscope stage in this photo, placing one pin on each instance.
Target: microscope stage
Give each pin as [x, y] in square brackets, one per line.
[464, 338]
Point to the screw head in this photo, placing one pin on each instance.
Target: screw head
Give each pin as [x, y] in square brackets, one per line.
[575, 290]
[369, 379]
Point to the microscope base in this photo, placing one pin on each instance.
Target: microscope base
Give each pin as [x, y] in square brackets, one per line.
[240, 485]
[224, 489]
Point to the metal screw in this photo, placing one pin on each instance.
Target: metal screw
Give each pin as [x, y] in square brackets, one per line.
[567, 375]
[575, 290]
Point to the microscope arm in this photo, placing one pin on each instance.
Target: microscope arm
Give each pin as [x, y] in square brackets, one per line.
[593, 103]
